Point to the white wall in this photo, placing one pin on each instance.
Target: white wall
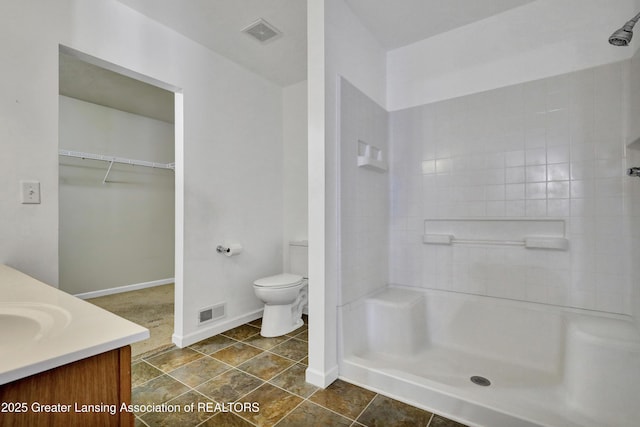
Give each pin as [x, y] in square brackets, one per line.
[295, 141]
[120, 232]
[550, 148]
[29, 132]
[541, 39]
[339, 45]
[232, 176]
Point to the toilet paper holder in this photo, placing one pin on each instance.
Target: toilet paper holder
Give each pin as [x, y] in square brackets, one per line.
[229, 249]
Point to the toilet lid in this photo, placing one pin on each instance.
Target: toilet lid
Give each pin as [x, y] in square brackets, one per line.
[279, 281]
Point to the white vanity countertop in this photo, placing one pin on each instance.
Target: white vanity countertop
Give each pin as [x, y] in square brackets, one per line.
[42, 327]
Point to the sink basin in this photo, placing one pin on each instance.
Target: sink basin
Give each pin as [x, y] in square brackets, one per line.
[43, 328]
[16, 328]
[22, 323]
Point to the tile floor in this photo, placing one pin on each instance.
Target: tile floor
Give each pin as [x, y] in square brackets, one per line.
[242, 369]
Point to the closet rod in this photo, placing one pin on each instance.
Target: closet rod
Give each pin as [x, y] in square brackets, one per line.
[82, 155]
[112, 160]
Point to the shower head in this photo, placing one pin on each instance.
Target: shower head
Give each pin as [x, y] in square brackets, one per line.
[622, 36]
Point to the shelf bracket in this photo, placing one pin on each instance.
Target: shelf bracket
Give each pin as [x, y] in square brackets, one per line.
[104, 181]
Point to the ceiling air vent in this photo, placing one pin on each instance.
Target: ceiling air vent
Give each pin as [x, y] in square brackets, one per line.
[262, 31]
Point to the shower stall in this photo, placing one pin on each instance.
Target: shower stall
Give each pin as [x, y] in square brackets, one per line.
[487, 250]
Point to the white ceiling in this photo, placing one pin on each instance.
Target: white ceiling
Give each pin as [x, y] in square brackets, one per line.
[397, 23]
[217, 24]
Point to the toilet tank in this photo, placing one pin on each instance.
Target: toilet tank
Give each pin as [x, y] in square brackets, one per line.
[298, 258]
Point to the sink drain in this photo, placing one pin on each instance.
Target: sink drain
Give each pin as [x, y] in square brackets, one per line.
[480, 381]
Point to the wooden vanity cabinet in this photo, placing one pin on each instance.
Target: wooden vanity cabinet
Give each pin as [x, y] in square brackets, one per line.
[103, 379]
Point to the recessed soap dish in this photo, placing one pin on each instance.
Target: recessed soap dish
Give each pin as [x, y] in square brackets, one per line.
[371, 157]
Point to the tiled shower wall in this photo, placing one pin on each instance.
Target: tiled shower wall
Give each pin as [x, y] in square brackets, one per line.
[364, 197]
[552, 148]
[633, 184]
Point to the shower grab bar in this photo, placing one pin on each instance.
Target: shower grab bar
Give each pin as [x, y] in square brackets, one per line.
[113, 159]
[530, 242]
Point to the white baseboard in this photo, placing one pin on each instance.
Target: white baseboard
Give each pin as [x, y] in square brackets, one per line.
[125, 288]
[204, 333]
[321, 379]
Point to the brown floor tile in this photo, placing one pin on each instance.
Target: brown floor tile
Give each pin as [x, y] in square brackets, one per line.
[311, 415]
[229, 387]
[274, 404]
[439, 421]
[387, 412]
[226, 419]
[304, 336]
[293, 349]
[264, 342]
[141, 372]
[293, 380]
[257, 323]
[199, 371]
[242, 332]
[158, 390]
[213, 344]
[173, 359]
[266, 365]
[182, 418]
[271, 359]
[344, 398]
[236, 354]
[297, 331]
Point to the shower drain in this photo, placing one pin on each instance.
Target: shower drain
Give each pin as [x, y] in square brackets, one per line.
[480, 381]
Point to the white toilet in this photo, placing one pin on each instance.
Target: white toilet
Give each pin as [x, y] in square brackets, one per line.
[284, 295]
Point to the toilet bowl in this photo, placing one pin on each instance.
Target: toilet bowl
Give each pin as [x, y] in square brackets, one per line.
[284, 296]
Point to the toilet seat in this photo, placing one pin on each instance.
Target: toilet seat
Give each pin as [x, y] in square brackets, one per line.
[279, 281]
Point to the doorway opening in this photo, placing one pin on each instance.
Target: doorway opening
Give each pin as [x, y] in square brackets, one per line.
[120, 144]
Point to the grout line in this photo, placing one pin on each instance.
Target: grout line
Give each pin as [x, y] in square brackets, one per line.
[150, 379]
[204, 421]
[366, 407]
[243, 418]
[221, 348]
[430, 419]
[330, 410]
[212, 378]
[140, 420]
[288, 413]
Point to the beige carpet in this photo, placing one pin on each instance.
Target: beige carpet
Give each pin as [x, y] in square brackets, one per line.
[151, 308]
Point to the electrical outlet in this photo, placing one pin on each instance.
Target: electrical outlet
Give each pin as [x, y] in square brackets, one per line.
[30, 192]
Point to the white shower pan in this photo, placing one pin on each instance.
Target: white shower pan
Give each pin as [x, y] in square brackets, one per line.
[547, 366]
